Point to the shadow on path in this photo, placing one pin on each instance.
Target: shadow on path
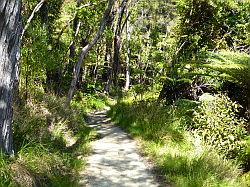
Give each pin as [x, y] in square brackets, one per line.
[115, 161]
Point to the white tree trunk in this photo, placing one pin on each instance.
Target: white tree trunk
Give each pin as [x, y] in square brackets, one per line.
[86, 49]
[36, 9]
[9, 54]
[128, 37]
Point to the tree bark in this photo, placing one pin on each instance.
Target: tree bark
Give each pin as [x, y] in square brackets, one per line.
[10, 28]
[117, 42]
[86, 49]
[107, 74]
[95, 71]
[76, 29]
[128, 37]
[248, 100]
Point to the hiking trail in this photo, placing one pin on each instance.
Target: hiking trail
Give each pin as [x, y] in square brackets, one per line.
[115, 160]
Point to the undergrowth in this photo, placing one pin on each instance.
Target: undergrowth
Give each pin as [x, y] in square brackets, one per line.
[181, 156]
[50, 141]
[90, 101]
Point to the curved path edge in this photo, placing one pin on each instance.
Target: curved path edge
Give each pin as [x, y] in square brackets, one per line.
[115, 160]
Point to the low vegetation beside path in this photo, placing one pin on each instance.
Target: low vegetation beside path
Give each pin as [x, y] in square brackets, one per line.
[50, 141]
[184, 148]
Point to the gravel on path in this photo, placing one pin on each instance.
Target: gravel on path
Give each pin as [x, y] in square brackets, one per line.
[115, 160]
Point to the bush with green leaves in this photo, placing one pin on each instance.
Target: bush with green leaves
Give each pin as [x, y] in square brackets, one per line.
[178, 156]
[215, 120]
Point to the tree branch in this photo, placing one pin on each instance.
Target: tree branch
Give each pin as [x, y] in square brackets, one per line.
[86, 49]
[125, 21]
[36, 9]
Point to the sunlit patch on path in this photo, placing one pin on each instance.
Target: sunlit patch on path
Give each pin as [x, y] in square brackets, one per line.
[115, 161]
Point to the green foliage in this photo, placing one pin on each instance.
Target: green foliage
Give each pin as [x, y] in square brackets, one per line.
[48, 138]
[244, 157]
[150, 45]
[216, 122]
[90, 101]
[46, 168]
[41, 56]
[146, 122]
[179, 156]
[233, 66]
[207, 25]
[36, 121]
[5, 174]
[139, 90]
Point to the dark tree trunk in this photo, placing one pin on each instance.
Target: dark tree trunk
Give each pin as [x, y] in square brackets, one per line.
[116, 65]
[96, 66]
[248, 103]
[72, 47]
[117, 42]
[9, 55]
[107, 73]
[79, 83]
[106, 77]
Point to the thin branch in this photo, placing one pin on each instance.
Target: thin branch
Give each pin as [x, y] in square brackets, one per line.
[36, 9]
[86, 5]
[86, 48]
[125, 21]
[121, 12]
[63, 29]
[180, 48]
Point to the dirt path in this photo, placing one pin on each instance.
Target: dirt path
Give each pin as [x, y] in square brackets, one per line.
[115, 161]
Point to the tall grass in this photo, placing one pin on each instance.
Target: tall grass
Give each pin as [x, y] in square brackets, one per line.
[50, 140]
[179, 155]
[90, 101]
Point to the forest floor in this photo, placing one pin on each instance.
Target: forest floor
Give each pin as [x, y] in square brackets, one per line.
[115, 159]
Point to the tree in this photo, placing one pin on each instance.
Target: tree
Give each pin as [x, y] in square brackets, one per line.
[9, 55]
[86, 49]
[128, 37]
[117, 41]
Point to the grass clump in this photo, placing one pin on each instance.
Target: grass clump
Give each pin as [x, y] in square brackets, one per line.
[50, 140]
[180, 155]
[90, 102]
[5, 174]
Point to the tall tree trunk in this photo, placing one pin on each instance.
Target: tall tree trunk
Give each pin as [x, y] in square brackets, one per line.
[79, 82]
[95, 72]
[86, 49]
[107, 74]
[107, 66]
[9, 54]
[76, 27]
[248, 101]
[128, 37]
[116, 64]
[117, 42]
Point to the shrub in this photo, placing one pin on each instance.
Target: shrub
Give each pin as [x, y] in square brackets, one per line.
[178, 156]
[48, 139]
[89, 101]
[216, 122]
